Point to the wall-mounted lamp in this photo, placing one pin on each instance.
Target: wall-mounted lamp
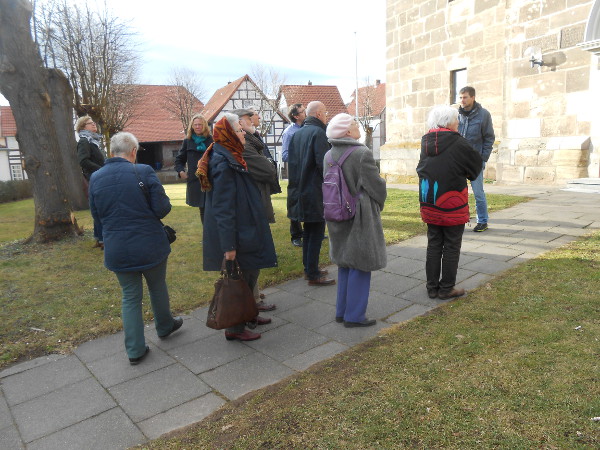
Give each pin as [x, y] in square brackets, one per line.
[535, 56]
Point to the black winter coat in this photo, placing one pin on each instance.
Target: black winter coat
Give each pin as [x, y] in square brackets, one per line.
[305, 171]
[263, 172]
[90, 157]
[447, 161]
[188, 158]
[234, 217]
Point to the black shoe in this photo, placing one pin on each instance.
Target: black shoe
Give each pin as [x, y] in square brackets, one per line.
[177, 322]
[139, 359]
[432, 293]
[364, 323]
[480, 227]
[339, 319]
[297, 242]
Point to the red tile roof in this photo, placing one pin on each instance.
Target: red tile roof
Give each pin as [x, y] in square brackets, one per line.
[220, 98]
[152, 121]
[8, 126]
[328, 95]
[372, 95]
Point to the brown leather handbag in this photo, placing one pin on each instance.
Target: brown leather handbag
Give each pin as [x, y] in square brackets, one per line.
[233, 302]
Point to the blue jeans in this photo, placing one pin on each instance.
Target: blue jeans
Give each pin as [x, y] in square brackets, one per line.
[131, 307]
[352, 294]
[480, 200]
[312, 239]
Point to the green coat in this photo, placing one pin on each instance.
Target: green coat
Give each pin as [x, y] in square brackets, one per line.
[359, 243]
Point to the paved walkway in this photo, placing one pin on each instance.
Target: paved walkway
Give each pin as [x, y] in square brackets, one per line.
[95, 399]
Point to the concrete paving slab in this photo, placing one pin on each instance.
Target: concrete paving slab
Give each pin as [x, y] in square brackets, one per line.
[22, 367]
[115, 369]
[158, 391]
[486, 265]
[324, 294]
[350, 336]
[420, 275]
[287, 300]
[181, 416]
[287, 341]
[311, 315]
[495, 253]
[382, 305]
[9, 438]
[209, 353]
[101, 348]
[315, 355]
[5, 417]
[392, 284]
[402, 266]
[477, 280]
[192, 330]
[409, 251]
[409, 313]
[111, 429]
[299, 286]
[200, 313]
[42, 379]
[60, 409]
[245, 375]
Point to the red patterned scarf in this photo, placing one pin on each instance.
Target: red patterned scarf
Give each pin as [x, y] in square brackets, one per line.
[223, 134]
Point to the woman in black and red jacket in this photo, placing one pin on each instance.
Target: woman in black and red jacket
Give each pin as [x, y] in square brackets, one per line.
[447, 160]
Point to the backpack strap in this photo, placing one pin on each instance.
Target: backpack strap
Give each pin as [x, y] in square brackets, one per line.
[345, 155]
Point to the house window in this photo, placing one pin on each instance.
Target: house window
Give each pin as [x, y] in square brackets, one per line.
[16, 172]
[458, 80]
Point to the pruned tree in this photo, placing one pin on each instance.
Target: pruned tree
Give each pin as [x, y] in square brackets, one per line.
[97, 52]
[269, 81]
[185, 94]
[36, 96]
[366, 105]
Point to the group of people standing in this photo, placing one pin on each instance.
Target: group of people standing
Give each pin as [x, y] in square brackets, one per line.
[231, 176]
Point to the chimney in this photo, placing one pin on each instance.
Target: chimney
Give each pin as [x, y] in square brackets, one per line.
[309, 83]
[377, 83]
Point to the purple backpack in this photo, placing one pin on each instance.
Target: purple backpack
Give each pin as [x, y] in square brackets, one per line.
[338, 204]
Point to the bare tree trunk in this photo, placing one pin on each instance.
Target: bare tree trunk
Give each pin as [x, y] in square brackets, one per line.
[62, 111]
[24, 82]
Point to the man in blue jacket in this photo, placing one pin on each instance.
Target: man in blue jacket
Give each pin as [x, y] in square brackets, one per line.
[475, 125]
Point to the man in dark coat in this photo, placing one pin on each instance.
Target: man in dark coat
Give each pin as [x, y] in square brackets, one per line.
[305, 196]
[447, 161]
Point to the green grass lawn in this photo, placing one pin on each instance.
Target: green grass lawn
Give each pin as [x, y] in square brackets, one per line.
[56, 296]
[515, 365]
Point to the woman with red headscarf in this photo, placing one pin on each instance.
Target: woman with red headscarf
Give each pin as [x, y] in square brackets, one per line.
[235, 222]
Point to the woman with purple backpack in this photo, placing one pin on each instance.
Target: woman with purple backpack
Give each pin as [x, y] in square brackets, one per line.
[356, 244]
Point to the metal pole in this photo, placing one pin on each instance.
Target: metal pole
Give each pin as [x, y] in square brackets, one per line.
[356, 72]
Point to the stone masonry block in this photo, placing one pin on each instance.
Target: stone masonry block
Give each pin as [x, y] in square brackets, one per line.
[578, 80]
[545, 157]
[435, 21]
[482, 5]
[513, 174]
[526, 158]
[570, 173]
[540, 175]
[537, 28]
[571, 16]
[571, 36]
[570, 158]
[559, 125]
[553, 6]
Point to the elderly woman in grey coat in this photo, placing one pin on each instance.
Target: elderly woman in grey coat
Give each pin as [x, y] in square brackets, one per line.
[357, 245]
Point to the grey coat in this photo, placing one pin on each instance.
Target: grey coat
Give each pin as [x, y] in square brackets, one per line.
[359, 243]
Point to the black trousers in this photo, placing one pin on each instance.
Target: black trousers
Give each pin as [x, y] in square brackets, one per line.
[443, 253]
[295, 229]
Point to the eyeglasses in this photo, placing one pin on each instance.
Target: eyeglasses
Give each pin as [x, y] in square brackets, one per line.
[240, 131]
[90, 123]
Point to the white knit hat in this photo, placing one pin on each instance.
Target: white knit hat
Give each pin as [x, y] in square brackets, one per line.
[339, 126]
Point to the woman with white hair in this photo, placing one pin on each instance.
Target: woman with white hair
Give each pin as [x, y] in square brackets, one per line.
[447, 161]
[129, 201]
[357, 245]
[235, 221]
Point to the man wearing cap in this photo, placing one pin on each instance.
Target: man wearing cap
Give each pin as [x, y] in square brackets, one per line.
[305, 196]
[297, 114]
[255, 118]
[264, 174]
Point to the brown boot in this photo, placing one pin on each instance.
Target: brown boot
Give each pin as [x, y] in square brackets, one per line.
[453, 293]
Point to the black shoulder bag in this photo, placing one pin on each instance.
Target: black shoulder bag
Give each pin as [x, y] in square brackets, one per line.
[170, 232]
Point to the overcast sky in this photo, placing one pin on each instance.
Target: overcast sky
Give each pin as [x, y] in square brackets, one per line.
[220, 40]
